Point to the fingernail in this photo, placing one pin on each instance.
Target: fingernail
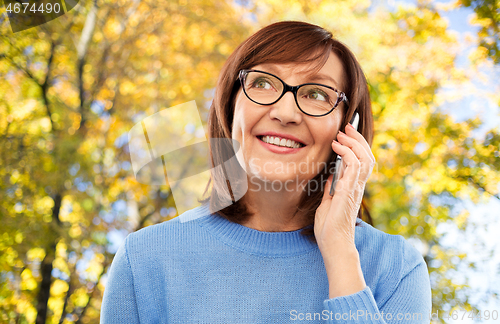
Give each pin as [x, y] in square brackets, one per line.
[341, 132]
[349, 124]
[334, 141]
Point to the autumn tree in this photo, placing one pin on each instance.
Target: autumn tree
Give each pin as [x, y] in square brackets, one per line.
[488, 17]
[70, 91]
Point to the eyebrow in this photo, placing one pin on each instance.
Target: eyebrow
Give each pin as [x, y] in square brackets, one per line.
[311, 78]
[323, 77]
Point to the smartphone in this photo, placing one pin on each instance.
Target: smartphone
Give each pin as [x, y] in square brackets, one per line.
[338, 163]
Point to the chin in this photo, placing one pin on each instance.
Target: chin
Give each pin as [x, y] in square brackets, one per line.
[272, 182]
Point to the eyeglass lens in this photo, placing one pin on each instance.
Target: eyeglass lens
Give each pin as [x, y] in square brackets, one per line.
[266, 89]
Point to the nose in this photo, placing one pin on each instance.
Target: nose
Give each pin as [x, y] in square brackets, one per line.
[286, 110]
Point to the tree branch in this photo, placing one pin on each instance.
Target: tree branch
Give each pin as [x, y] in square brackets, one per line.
[45, 85]
[19, 67]
[479, 186]
[158, 200]
[66, 298]
[91, 293]
[101, 75]
[81, 50]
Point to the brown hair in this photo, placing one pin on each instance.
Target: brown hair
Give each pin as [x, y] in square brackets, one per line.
[283, 42]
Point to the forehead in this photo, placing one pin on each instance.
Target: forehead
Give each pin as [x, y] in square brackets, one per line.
[332, 73]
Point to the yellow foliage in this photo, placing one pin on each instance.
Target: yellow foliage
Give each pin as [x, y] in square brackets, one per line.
[80, 297]
[59, 287]
[75, 231]
[14, 177]
[94, 269]
[35, 253]
[25, 308]
[61, 249]
[60, 263]
[24, 110]
[46, 202]
[56, 305]
[28, 282]
[19, 237]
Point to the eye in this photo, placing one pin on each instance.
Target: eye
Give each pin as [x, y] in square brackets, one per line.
[317, 94]
[262, 83]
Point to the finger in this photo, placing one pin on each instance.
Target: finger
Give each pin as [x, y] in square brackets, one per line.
[366, 162]
[357, 139]
[349, 179]
[349, 130]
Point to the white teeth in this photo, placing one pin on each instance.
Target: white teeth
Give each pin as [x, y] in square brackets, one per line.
[280, 141]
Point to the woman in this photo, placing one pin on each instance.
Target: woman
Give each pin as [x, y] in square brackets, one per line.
[286, 251]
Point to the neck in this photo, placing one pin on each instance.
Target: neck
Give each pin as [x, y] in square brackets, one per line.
[272, 210]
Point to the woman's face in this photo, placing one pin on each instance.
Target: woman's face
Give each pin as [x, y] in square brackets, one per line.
[277, 165]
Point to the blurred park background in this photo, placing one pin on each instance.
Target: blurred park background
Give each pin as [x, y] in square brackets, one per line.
[71, 89]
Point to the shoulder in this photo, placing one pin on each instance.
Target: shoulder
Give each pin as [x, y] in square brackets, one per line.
[385, 259]
[387, 246]
[167, 235]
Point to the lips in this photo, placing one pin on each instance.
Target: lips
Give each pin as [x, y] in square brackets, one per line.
[282, 136]
[274, 140]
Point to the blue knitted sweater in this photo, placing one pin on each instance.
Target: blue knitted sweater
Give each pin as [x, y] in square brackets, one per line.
[201, 268]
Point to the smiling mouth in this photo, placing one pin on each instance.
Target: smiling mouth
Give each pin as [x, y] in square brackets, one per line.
[278, 141]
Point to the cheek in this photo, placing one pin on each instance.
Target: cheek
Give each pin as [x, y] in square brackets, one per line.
[236, 126]
[324, 133]
[238, 119]
[245, 118]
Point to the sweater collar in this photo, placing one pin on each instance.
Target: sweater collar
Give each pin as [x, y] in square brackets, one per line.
[271, 244]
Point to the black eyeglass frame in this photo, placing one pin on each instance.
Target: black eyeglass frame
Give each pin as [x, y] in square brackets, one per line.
[341, 97]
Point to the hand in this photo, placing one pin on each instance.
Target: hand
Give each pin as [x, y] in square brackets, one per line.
[335, 218]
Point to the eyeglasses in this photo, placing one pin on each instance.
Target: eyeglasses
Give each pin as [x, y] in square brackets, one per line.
[313, 99]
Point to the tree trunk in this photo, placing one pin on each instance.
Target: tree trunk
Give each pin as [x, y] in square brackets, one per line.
[46, 269]
[44, 292]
